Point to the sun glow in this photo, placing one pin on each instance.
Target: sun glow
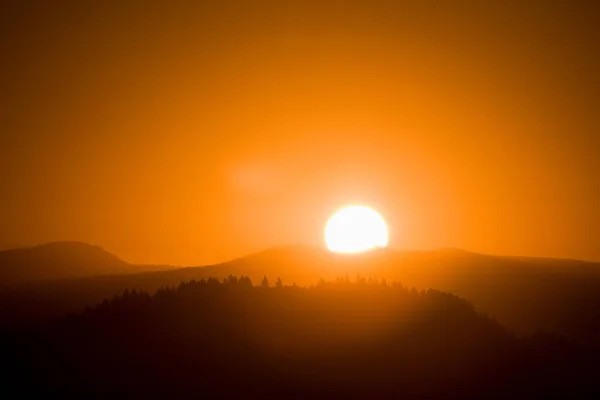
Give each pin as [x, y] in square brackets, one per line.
[355, 228]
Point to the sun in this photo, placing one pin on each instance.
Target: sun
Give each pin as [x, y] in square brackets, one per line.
[355, 228]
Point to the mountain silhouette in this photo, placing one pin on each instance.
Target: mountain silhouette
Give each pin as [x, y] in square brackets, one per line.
[61, 260]
[524, 294]
[307, 323]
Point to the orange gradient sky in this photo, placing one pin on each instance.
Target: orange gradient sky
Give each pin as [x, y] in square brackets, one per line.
[191, 134]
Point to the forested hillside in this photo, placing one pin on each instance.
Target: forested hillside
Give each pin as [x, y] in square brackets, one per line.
[230, 338]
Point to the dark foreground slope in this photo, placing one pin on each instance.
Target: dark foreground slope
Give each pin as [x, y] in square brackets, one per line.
[218, 340]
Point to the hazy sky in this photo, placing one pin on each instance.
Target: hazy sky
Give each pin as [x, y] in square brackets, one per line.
[172, 132]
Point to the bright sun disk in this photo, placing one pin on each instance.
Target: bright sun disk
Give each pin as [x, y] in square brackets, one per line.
[355, 228]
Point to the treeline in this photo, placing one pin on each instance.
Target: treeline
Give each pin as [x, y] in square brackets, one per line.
[359, 339]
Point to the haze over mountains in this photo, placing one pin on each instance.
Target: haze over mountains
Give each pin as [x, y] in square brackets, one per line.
[524, 294]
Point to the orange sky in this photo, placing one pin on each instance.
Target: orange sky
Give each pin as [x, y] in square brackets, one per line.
[193, 134]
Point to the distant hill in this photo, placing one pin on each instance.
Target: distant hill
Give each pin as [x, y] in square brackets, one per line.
[524, 294]
[61, 260]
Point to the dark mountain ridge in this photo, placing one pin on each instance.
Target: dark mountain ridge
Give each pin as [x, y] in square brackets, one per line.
[524, 294]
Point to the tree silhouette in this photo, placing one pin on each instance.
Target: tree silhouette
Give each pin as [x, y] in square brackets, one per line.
[265, 283]
[245, 282]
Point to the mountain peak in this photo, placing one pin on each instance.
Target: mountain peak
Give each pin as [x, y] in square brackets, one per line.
[56, 260]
